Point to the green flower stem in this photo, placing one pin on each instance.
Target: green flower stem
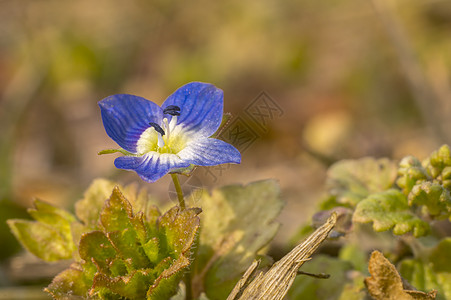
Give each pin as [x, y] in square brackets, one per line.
[178, 189]
[187, 278]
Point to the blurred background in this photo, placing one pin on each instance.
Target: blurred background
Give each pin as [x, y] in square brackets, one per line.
[344, 79]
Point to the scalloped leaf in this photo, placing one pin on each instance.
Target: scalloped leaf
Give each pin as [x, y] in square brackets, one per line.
[410, 172]
[88, 209]
[96, 247]
[446, 178]
[434, 197]
[177, 225]
[50, 236]
[131, 286]
[166, 284]
[352, 180]
[389, 210]
[131, 255]
[76, 279]
[237, 222]
[438, 160]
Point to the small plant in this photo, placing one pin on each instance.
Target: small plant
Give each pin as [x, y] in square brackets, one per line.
[123, 247]
[120, 253]
[411, 200]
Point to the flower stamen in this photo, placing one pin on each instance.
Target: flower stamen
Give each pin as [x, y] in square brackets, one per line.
[172, 110]
[157, 128]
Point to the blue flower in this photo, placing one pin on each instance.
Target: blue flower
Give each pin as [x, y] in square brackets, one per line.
[158, 140]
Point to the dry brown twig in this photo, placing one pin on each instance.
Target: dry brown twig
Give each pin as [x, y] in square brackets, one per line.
[275, 283]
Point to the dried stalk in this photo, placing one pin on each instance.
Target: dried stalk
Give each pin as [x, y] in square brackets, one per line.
[275, 283]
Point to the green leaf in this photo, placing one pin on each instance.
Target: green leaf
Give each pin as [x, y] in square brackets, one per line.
[354, 290]
[329, 202]
[305, 287]
[440, 257]
[51, 215]
[132, 286]
[42, 240]
[438, 160]
[427, 184]
[410, 173]
[95, 247]
[166, 284]
[389, 210]
[446, 178]
[50, 236]
[88, 209]
[353, 254]
[152, 250]
[73, 279]
[116, 213]
[352, 180]
[237, 222]
[130, 255]
[177, 225]
[434, 197]
[423, 277]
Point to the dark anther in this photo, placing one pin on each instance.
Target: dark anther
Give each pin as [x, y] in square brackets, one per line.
[157, 128]
[172, 110]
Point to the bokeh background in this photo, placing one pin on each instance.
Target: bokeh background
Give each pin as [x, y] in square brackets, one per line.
[352, 78]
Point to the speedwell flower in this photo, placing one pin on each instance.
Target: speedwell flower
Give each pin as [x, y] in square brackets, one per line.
[158, 140]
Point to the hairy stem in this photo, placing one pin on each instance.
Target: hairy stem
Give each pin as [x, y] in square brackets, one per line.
[178, 189]
[187, 278]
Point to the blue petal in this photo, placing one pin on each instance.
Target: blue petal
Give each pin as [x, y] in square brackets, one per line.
[125, 117]
[151, 166]
[201, 107]
[210, 152]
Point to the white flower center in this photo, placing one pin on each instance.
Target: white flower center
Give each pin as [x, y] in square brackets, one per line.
[173, 140]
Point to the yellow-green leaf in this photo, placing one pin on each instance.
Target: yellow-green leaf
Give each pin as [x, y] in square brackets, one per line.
[435, 199]
[389, 210]
[352, 180]
[50, 236]
[237, 222]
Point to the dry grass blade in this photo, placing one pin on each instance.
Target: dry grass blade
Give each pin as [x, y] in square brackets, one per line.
[244, 281]
[275, 283]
